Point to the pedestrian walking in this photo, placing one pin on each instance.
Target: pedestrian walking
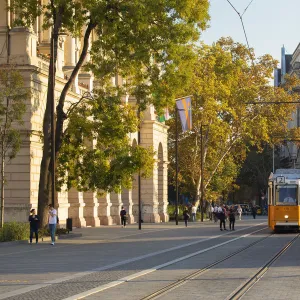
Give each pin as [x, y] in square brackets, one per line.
[222, 217]
[254, 211]
[194, 212]
[123, 215]
[211, 212]
[231, 218]
[240, 211]
[216, 210]
[186, 216]
[34, 222]
[52, 221]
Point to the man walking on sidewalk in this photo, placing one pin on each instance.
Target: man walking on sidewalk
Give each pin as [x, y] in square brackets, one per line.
[52, 221]
[123, 215]
[222, 217]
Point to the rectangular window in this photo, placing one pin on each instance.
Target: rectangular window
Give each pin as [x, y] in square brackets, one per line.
[286, 194]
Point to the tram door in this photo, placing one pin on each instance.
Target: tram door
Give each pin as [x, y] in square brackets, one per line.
[270, 203]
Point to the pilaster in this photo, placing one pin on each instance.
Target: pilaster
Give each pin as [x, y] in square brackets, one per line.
[104, 209]
[116, 205]
[76, 208]
[91, 209]
[63, 208]
[128, 204]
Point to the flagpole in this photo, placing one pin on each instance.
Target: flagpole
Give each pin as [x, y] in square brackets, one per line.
[176, 162]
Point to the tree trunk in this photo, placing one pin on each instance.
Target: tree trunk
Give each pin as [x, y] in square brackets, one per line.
[45, 172]
[45, 178]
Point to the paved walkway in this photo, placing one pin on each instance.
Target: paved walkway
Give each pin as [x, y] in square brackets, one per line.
[107, 254]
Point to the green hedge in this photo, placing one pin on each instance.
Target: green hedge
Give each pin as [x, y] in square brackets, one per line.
[16, 231]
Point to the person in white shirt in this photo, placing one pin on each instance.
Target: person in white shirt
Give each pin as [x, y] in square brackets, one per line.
[239, 211]
[216, 210]
[194, 211]
[52, 221]
[211, 213]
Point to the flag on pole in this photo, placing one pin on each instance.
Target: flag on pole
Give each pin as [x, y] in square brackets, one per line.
[184, 107]
[165, 116]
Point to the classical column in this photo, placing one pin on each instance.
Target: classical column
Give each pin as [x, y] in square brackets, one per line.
[128, 204]
[163, 192]
[63, 206]
[91, 209]
[150, 198]
[76, 208]
[116, 204]
[69, 51]
[135, 200]
[104, 209]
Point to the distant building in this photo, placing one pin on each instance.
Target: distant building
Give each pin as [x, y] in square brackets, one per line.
[290, 64]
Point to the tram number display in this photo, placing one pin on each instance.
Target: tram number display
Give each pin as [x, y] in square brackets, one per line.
[280, 179]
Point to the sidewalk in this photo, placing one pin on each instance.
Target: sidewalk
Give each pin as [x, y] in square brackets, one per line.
[25, 266]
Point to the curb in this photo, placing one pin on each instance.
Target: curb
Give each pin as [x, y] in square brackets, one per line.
[69, 236]
[43, 239]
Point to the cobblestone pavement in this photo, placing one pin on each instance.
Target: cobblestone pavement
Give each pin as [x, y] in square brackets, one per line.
[282, 281]
[108, 254]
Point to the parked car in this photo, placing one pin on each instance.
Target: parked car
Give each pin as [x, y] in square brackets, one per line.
[259, 210]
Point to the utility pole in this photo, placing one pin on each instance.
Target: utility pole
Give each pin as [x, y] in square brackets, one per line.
[139, 176]
[202, 176]
[53, 122]
[176, 162]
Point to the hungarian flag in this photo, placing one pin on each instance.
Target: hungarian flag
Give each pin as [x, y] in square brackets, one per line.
[165, 116]
[184, 107]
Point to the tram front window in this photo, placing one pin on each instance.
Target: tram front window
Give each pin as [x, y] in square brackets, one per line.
[286, 195]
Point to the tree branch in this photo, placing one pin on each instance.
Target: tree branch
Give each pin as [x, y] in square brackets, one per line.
[61, 116]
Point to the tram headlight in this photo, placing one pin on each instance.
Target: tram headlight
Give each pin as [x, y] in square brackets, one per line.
[286, 216]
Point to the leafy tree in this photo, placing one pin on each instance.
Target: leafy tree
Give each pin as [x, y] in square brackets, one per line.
[108, 162]
[13, 95]
[141, 40]
[225, 84]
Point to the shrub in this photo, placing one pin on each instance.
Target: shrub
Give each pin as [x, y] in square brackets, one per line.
[46, 232]
[14, 231]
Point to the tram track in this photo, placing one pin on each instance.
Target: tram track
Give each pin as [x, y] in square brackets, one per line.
[242, 290]
[199, 272]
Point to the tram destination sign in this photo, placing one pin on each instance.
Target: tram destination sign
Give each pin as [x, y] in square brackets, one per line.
[280, 179]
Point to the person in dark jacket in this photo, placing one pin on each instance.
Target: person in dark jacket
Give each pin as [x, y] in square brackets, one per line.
[123, 215]
[254, 211]
[186, 216]
[222, 217]
[34, 222]
[231, 218]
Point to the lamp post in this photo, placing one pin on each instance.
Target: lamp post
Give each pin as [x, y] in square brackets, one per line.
[53, 120]
[176, 158]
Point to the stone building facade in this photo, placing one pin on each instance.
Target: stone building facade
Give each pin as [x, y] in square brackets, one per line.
[28, 50]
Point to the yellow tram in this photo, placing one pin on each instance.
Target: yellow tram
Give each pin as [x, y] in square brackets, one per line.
[283, 200]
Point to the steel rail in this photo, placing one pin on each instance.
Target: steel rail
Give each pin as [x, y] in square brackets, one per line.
[241, 291]
[183, 280]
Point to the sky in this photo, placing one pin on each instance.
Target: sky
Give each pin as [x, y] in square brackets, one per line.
[269, 24]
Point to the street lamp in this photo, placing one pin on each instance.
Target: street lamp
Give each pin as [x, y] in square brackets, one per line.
[53, 120]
